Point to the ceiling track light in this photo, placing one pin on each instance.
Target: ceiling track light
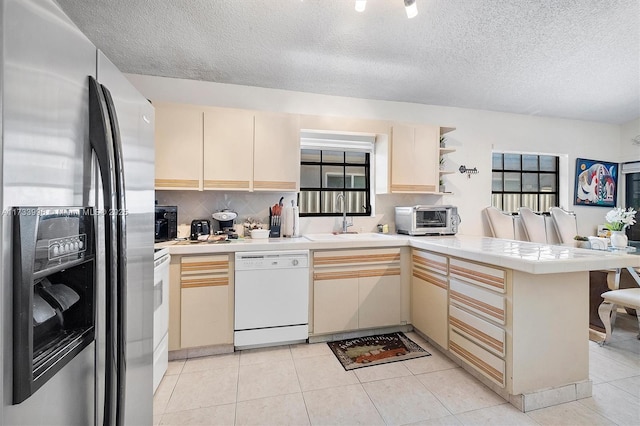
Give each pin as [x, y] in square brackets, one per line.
[409, 5]
[411, 8]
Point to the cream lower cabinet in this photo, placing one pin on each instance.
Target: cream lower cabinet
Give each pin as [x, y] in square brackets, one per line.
[356, 289]
[335, 302]
[206, 301]
[379, 297]
[478, 318]
[429, 295]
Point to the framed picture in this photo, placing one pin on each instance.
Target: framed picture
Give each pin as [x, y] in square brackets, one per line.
[596, 183]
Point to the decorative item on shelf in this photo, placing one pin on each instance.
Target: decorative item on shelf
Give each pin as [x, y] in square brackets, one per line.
[443, 141]
[469, 172]
[441, 163]
[441, 186]
[582, 242]
[618, 219]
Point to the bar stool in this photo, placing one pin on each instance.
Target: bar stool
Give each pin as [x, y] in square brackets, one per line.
[500, 224]
[534, 226]
[565, 223]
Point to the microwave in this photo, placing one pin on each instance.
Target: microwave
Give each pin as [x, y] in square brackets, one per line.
[166, 223]
[427, 220]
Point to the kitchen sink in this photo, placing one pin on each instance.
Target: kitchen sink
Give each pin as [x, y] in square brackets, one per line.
[365, 236]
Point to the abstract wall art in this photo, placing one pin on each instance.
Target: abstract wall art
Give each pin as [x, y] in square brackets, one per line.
[596, 183]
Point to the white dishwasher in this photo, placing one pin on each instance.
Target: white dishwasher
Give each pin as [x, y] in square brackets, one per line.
[271, 298]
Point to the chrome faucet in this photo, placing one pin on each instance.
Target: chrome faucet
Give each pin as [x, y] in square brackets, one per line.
[345, 224]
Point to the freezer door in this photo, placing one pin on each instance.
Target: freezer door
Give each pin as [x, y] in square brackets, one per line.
[46, 61]
[136, 123]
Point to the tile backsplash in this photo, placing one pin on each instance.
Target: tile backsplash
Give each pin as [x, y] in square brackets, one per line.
[255, 205]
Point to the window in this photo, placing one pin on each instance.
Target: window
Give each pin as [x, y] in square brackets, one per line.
[524, 180]
[332, 166]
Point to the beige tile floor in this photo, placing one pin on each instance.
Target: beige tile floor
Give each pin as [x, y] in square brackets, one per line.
[305, 384]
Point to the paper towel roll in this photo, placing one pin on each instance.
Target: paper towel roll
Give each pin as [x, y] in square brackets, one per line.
[296, 222]
[287, 221]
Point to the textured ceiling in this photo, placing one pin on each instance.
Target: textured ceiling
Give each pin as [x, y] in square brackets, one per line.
[559, 58]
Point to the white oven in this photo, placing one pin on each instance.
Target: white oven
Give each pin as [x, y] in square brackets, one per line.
[160, 315]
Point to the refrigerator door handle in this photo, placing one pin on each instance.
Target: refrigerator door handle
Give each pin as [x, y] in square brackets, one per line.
[100, 138]
[120, 214]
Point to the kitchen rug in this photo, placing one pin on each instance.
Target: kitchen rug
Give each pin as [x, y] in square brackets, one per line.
[375, 350]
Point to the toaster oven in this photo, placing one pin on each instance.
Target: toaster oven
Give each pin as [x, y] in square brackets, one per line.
[427, 220]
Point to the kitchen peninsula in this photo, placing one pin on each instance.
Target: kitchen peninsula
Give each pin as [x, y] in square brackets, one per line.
[512, 313]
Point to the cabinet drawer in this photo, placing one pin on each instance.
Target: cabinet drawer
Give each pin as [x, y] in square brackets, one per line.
[487, 335]
[480, 359]
[428, 261]
[204, 271]
[484, 276]
[486, 304]
[380, 271]
[336, 258]
[434, 279]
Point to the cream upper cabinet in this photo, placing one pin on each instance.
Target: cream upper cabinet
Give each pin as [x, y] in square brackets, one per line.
[228, 135]
[276, 152]
[414, 159]
[178, 146]
[212, 148]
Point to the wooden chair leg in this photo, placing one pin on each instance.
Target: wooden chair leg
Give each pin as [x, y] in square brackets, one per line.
[604, 311]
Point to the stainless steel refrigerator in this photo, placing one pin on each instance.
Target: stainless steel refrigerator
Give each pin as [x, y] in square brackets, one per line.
[50, 153]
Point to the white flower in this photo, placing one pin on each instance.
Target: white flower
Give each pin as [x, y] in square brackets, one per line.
[619, 219]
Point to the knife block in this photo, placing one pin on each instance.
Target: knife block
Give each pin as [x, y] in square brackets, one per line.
[274, 226]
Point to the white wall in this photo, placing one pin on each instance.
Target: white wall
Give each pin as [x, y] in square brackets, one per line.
[628, 150]
[478, 132]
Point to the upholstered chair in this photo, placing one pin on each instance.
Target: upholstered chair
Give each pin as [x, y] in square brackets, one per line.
[500, 224]
[565, 224]
[533, 224]
[627, 298]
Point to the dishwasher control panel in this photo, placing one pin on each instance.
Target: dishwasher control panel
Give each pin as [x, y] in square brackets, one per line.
[272, 260]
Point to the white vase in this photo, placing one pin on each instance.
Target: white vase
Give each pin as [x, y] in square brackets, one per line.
[618, 239]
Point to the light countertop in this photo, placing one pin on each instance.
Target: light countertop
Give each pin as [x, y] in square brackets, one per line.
[523, 256]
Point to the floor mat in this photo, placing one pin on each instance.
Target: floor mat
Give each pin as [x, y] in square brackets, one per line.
[375, 350]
